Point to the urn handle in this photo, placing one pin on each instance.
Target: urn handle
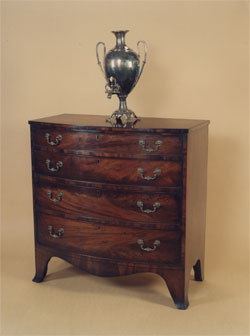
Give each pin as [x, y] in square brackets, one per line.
[145, 56]
[97, 56]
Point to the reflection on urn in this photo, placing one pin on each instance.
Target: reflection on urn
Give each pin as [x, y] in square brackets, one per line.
[122, 70]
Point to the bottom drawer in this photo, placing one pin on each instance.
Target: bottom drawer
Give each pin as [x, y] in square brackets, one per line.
[112, 242]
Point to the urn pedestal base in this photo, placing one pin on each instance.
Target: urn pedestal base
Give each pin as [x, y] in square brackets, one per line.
[123, 119]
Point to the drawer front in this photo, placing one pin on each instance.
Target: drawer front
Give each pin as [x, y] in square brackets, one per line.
[112, 242]
[109, 143]
[111, 206]
[117, 171]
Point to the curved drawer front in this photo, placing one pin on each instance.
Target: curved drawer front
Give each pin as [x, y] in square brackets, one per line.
[110, 206]
[109, 143]
[110, 242]
[117, 171]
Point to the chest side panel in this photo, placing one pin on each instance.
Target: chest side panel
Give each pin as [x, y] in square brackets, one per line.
[196, 182]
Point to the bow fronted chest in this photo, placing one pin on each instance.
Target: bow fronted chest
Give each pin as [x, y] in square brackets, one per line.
[116, 201]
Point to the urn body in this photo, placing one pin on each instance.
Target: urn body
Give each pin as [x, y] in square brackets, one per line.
[122, 70]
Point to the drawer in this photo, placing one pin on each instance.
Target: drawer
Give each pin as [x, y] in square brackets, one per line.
[112, 242]
[117, 171]
[107, 142]
[106, 205]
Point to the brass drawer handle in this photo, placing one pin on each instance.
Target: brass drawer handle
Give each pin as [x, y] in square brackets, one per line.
[54, 235]
[148, 249]
[59, 165]
[157, 172]
[52, 143]
[156, 206]
[55, 199]
[158, 143]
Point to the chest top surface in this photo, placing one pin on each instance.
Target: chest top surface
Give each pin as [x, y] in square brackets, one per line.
[89, 122]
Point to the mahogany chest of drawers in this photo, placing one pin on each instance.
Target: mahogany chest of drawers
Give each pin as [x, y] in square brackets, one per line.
[116, 201]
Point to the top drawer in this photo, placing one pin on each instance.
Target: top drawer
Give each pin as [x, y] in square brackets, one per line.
[122, 142]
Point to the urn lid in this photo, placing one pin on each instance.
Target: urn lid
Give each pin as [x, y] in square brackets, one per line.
[122, 32]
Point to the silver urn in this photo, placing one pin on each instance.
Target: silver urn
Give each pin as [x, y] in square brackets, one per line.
[122, 70]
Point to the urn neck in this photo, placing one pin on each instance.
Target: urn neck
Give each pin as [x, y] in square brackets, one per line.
[123, 104]
[120, 38]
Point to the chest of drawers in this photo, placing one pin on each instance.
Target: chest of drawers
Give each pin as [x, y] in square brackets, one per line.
[118, 201]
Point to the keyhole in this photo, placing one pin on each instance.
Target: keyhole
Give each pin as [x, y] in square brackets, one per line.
[98, 193]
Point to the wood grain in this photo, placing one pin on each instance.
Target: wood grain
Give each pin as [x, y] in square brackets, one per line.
[109, 206]
[108, 142]
[111, 242]
[116, 171]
